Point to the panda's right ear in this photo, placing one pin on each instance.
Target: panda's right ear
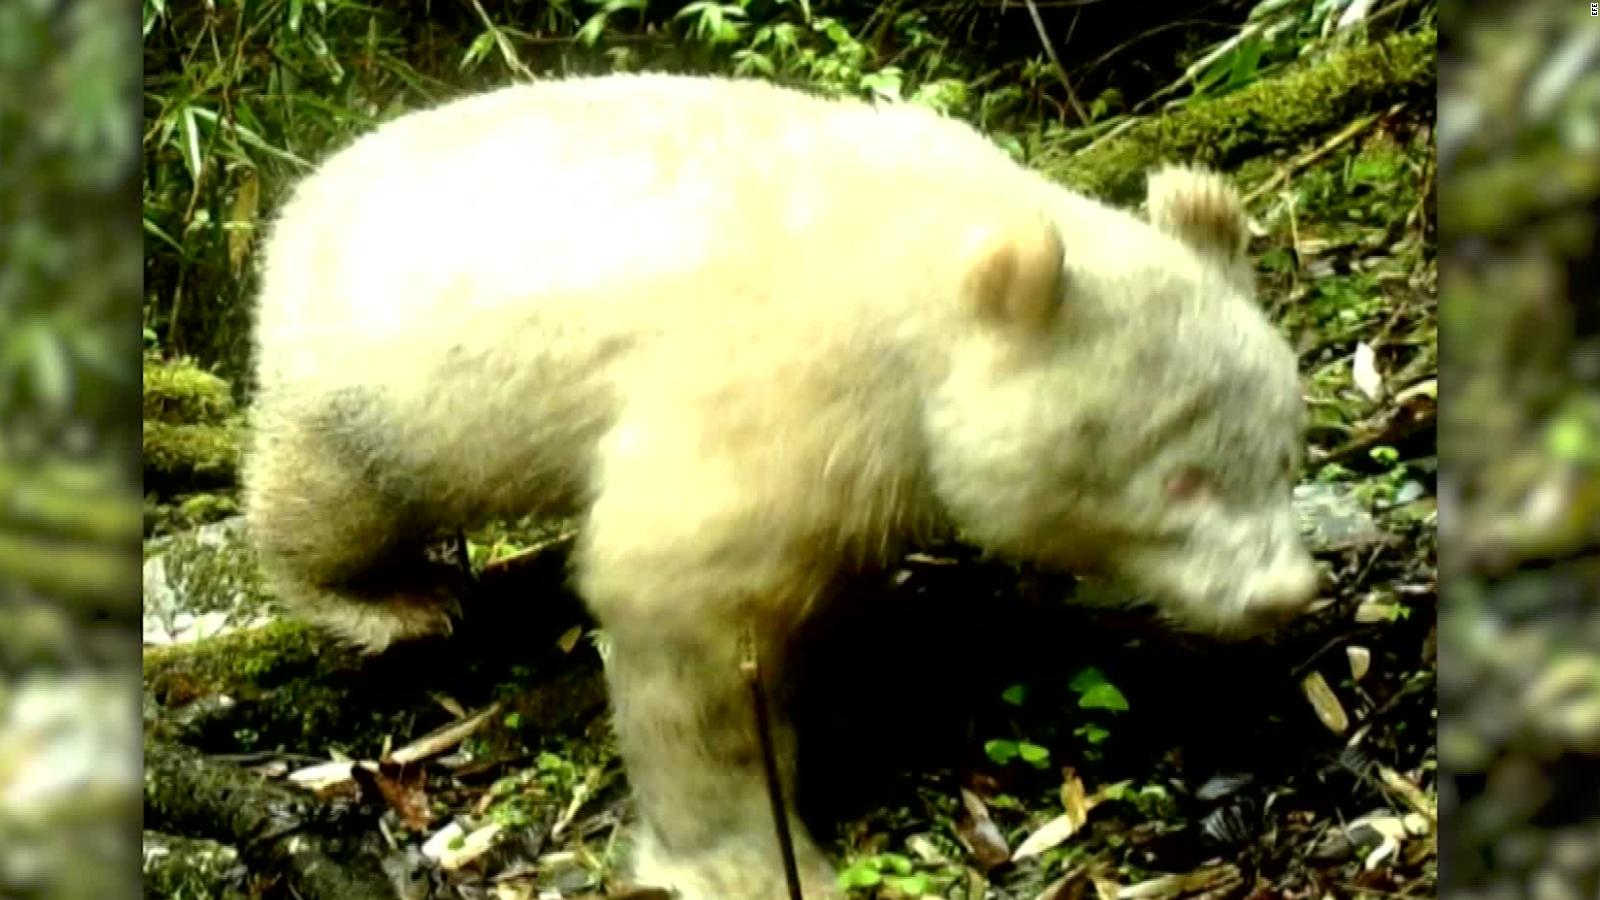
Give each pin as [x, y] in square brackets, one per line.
[1202, 209]
[1014, 273]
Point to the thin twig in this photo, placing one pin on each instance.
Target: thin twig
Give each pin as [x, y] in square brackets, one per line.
[1061, 71]
[1124, 125]
[1106, 57]
[1194, 71]
[750, 666]
[1300, 162]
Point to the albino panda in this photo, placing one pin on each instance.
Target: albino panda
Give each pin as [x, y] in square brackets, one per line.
[756, 340]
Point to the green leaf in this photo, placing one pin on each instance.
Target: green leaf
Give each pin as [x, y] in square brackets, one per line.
[862, 874]
[1085, 679]
[156, 230]
[910, 885]
[589, 34]
[1246, 60]
[884, 84]
[896, 863]
[1015, 694]
[1103, 696]
[747, 61]
[484, 42]
[1001, 751]
[192, 153]
[154, 11]
[1094, 734]
[1034, 755]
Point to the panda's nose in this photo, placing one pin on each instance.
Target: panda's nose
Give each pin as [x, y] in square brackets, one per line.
[1284, 591]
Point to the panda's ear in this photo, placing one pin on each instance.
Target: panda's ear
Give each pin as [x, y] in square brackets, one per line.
[1202, 209]
[1014, 273]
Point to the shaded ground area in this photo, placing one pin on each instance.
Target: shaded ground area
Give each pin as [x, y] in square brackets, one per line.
[970, 735]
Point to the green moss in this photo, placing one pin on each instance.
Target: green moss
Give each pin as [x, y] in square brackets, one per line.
[186, 511]
[292, 685]
[178, 391]
[190, 456]
[241, 661]
[191, 869]
[202, 508]
[1277, 113]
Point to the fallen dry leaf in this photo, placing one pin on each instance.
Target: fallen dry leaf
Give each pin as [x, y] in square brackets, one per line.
[1411, 794]
[1364, 372]
[404, 791]
[440, 840]
[924, 849]
[1050, 834]
[979, 833]
[1077, 804]
[1428, 389]
[1070, 886]
[1207, 878]
[1325, 703]
[1389, 832]
[322, 776]
[1360, 661]
[1377, 608]
[451, 705]
[1073, 798]
[454, 848]
[441, 739]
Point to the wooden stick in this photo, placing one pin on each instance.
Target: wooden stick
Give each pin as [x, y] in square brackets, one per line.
[750, 667]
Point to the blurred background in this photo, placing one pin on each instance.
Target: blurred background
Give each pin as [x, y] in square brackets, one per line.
[1519, 163]
[69, 474]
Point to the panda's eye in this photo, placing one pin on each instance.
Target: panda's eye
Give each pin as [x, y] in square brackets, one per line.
[1189, 483]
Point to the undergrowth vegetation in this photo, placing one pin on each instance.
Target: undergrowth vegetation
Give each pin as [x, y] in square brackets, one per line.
[243, 97]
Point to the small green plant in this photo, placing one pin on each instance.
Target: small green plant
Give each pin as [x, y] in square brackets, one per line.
[1333, 473]
[556, 772]
[1095, 693]
[1004, 751]
[1385, 489]
[889, 870]
[1091, 733]
[1151, 800]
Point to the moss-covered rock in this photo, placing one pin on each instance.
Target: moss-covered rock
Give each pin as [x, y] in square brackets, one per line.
[285, 683]
[208, 572]
[192, 869]
[192, 428]
[190, 456]
[179, 391]
[186, 511]
[239, 662]
[1273, 114]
